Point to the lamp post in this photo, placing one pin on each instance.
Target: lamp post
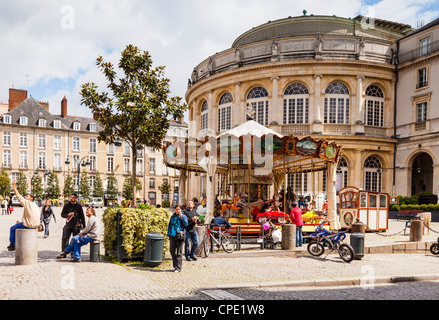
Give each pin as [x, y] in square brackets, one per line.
[80, 163]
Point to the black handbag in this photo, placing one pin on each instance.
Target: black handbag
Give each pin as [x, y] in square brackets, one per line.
[180, 235]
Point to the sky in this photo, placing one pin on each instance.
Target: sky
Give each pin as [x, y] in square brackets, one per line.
[49, 47]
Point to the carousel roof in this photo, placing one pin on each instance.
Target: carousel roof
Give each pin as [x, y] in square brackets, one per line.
[251, 145]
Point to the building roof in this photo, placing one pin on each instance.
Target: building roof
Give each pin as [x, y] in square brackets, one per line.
[310, 25]
[34, 112]
[427, 26]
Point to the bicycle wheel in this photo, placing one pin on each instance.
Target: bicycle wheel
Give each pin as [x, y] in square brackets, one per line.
[206, 244]
[346, 252]
[434, 249]
[315, 249]
[228, 242]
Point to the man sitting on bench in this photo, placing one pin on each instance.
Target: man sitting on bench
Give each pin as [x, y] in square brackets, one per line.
[219, 221]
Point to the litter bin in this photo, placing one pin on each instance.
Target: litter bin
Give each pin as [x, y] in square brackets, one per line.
[154, 244]
[95, 251]
[357, 243]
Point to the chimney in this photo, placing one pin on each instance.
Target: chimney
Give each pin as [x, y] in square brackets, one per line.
[16, 96]
[44, 104]
[64, 107]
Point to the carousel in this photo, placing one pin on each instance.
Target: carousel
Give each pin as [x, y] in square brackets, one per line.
[249, 164]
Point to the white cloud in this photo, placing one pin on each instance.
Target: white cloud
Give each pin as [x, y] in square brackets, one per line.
[179, 34]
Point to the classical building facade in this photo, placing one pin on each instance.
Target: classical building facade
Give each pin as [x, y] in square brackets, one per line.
[417, 119]
[36, 141]
[320, 76]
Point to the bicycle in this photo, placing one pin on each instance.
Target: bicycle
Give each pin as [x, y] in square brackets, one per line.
[220, 238]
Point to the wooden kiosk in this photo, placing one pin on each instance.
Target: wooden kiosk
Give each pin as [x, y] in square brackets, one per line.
[371, 208]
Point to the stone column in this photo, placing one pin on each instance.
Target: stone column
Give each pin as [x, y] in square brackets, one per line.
[276, 113]
[359, 114]
[332, 196]
[357, 169]
[316, 114]
[238, 114]
[26, 246]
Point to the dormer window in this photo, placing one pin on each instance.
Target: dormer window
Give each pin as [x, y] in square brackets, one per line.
[92, 127]
[23, 121]
[7, 119]
[42, 123]
[76, 126]
[57, 124]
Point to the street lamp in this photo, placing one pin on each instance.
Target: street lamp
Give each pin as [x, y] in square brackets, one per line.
[80, 163]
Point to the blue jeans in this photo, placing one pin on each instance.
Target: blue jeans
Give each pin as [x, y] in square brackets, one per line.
[194, 237]
[299, 236]
[76, 244]
[19, 225]
[46, 228]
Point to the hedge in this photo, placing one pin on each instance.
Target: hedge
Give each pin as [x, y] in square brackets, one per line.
[136, 224]
[423, 207]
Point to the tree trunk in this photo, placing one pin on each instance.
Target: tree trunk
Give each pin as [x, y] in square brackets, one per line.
[134, 175]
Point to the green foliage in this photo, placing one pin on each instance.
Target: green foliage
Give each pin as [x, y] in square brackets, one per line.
[136, 224]
[98, 189]
[112, 187]
[139, 106]
[69, 188]
[166, 204]
[21, 183]
[127, 191]
[84, 185]
[423, 207]
[53, 191]
[37, 187]
[5, 183]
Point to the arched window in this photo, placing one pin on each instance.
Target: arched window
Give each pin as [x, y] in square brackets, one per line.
[225, 112]
[374, 111]
[204, 116]
[296, 104]
[257, 100]
[342, 174]
[336, 104]
[372, 174]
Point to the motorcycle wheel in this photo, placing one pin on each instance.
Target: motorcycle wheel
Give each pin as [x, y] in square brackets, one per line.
[434, 249]
[315, 249]
[346, 252]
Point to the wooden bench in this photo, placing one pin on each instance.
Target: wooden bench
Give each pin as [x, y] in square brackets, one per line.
[410, 214]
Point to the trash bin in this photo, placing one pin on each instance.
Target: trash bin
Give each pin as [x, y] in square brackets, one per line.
[357, 243]
[153, 254]
[95, 247]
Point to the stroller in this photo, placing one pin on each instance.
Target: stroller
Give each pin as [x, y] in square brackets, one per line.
[272, 236]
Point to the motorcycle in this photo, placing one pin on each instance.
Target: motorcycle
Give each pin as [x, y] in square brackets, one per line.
[333, 241]
[434, 248]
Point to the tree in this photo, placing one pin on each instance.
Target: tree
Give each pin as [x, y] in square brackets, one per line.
[139, 107]
[127, 191]
[112, 187]
[5, 183]
[84, 186]
[37, 187]
[53, 191]
[98, 188]
[165, 188]
[69, 188]
[21, 183]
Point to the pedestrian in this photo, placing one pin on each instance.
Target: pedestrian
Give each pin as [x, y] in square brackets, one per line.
[88, 234]
[5, 206]
[176, 234]
[191, 232]
[75, 220]
[296, 218]
[31, 215]
[46, 216]
[10, 207]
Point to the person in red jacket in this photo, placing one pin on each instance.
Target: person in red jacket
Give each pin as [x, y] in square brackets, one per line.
[296, 218]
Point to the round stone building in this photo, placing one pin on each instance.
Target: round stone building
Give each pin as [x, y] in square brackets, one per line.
[321, 76]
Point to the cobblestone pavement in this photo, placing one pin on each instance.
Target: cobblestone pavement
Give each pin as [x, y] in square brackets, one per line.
[249, 274]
